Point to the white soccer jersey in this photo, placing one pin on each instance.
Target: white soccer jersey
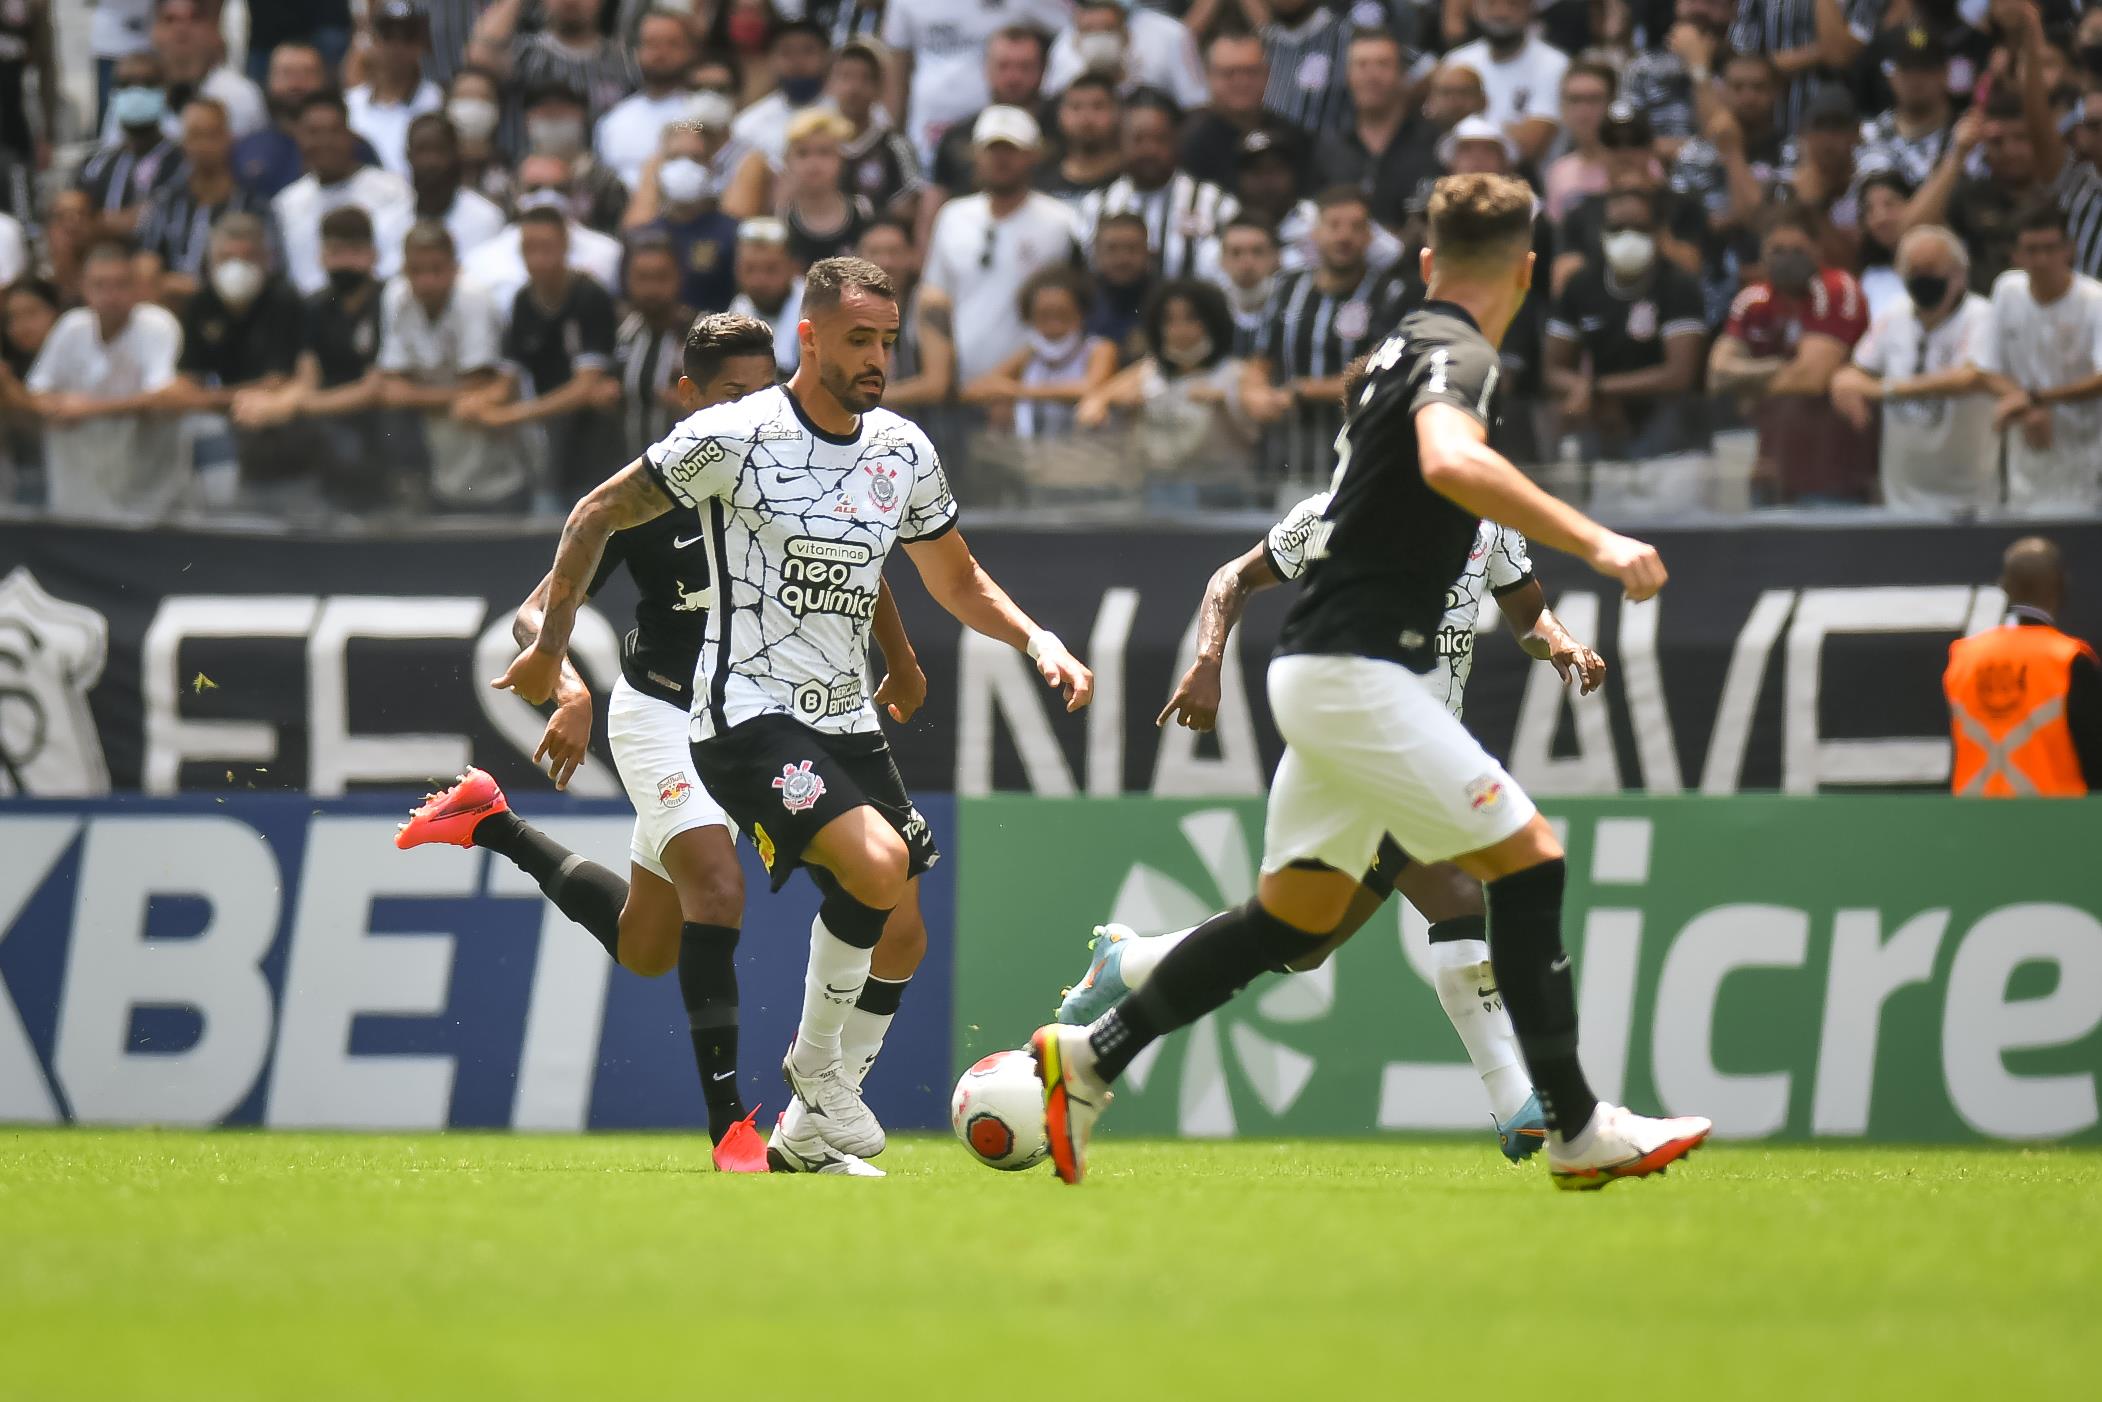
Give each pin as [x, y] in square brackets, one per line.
[798, 525]
[1497, 563]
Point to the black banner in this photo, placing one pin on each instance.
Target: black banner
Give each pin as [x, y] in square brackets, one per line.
[1796, 658]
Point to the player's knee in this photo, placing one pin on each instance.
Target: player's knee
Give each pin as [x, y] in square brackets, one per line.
[876, 874]
[904, 941]
[648, 946]
[716, 897]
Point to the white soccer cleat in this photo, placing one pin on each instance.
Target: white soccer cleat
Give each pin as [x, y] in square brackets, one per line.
[1618, 1143]
[836, 1109]
[812, 1155]
[1074, 1096]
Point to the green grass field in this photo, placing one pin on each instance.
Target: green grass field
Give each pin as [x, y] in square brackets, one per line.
[240, 1265]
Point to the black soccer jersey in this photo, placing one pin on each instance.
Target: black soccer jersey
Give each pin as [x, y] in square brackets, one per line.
[668, 560]
[1388, 547]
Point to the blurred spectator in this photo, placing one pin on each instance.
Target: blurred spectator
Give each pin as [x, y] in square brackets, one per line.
[570, 51]
[1090, 121]
[1802, 36]
[1305, 40]
[1736, 164]
[28, 48]
[1248, 262]
[1183, 214]
[177, 223]
[100, 384]
[702, 237]
[1237, 72]
[335, 179]
[394, 92]
[1910, 137]
[822, 218]
[326, 24]
[1034, 391]
[880, 164]
[923, 362]
[1823, 179]
[498, 266]
[1382, 149]
[122, 173]
[1122, 283]
[737, 179]
[985, 246]
[1787, 335]
[1883, 199]
[117, 29]
[1672, 85]
[1681, 227]
[1624, 353]
[440, 349]
[1184, 397]
[1521, 73]
[769, 287]
[1319, 320]
[557, 125]
[267, 161]
[1587, 90]
[241, 330]
[193, 58]
[649, 346]
[558, 362]
[800, 58]
[473, 105]
[957, 57]
[452, 31]
[1013, 76]
[629, 134]
[1981, 210]
[2041, 354]
[436, 176]
[19, 190]
[1268, 190]
[29, 308]
[1918, 361]
[68, 231]
[1134, 48]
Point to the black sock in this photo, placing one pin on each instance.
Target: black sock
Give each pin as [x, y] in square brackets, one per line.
[1466, 927]
[1532, 972]
[708, 983]
[584, 891]
[1214, 961]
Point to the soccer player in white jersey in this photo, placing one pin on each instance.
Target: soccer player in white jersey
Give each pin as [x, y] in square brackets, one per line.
[803, 490]
[1369, 750]
[1464, 977]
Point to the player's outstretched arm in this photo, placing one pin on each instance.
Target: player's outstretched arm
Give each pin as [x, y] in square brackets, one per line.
[904, 687]
[1459, 464]
[566, 743]
[1195, 703]
[1543, 636]
[959, 584]
[628, 498]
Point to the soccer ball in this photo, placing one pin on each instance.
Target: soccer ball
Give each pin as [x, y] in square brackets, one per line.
[998, 1112]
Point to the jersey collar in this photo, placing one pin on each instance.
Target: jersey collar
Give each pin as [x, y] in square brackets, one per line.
[843, 440]
[1452, 309]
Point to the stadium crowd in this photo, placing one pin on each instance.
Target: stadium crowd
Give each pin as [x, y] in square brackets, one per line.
[414, 256]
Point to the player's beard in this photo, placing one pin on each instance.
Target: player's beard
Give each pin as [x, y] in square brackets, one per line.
[853, 396]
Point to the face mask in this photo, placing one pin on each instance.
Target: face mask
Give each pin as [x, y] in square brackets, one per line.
[711, 108]
[683, 181]
[555, 136]
[1790, 271]
[138, 107]
[1054, 351]
[1629, 252]
[345, 281]
[1927, 291]
[237, 281]
[1099, 51]
[473, 117]
[802, 91]
[1189, 357]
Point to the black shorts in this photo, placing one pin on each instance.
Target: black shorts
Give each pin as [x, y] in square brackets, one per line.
[1387, 863]
[781, 781]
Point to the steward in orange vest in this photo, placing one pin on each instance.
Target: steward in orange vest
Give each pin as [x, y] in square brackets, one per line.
[2025, 700]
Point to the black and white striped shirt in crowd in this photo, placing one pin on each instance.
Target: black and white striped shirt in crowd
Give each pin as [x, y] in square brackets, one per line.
[856, 19]
[1306, 70]
[117, 177]
[2078, 190]
[1885, 148]
[651, 361]
[1310, 334]
[1775, 26]
[1183, 218]
[175, 228]
[452, 24]
[604, 74]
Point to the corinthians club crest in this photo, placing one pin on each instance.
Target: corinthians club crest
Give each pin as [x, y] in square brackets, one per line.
[883, 486]
[51, 656]
[800, 789]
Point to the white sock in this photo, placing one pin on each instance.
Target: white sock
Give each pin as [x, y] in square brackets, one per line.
[1145, 952]
[831, 984]
[862, 1038]
[1467, 989]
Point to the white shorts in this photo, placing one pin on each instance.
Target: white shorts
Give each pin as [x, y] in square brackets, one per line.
[655, 762]
[1369, 750]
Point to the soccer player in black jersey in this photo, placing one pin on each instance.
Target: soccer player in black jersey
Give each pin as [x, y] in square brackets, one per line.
[684, 899]
[1369, 749]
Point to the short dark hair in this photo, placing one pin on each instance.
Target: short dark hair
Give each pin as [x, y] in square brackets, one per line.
[554, 92]
[212, 104]
[41, 288]
[1123, 219]
[860, 53]
[1354, 376]
[829, 278]
[1758, 56]
[808, 28]
[2040, 216]
[429, 236]
[1025, 34]
[722, 336]
[1205, 301]
[348, 224]
[1590, 68]
[1093, 79]
[1058, 277]
[434, 121]
[105, 247]
[1478, 217]
[465, 70]
[1342, 194]
[903, 228]
[1249, 221]
[1788, 216]
[648, 240]
[1153, 100]
[329, 98]
[1365, 35]
[544, 216]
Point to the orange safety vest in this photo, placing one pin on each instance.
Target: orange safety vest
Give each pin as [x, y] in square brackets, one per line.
[2007, 713]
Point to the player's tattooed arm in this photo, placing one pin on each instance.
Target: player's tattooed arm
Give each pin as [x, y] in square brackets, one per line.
[566, 742]
[1195, 702]
[1543, 636]
[904, 687]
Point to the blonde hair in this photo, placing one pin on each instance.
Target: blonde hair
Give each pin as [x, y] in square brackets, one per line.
[1480, 218]
[818, 121]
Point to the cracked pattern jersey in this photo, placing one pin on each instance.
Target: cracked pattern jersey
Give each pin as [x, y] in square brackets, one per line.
[799, 522]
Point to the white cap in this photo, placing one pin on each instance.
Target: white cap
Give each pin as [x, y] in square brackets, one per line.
[1476, 128]
[1009, 124]
[763, 229]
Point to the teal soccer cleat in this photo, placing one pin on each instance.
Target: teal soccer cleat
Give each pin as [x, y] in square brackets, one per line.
[1524, 1136]
[1104, 983]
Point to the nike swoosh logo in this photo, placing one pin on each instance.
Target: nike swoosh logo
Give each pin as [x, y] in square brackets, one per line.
[843, 992]
[1561, 963]
[1489, 992]
[723, 1077]
[681, 542]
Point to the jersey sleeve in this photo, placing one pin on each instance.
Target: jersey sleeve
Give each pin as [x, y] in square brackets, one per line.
[1747, 310]
[1286, 544]
[702, 455]
[1509, 566]
[1842, 313]
[930, 508]
[1679, 306]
